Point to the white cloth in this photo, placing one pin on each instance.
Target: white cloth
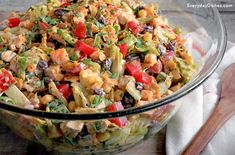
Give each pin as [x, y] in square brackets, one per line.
[195, 109]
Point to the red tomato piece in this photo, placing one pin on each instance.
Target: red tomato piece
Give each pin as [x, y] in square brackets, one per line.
[80, 30]
[134, 27]
[115, 107]
[143, 78]
[64, 5]
[6, 79]
[44, 26]
[13, 22]
[124, 49]
[84, 48]
[133, 67]
[65, 90]
[120, 121]
[157, 68]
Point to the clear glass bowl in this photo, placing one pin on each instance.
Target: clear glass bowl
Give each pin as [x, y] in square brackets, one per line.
[209, 42]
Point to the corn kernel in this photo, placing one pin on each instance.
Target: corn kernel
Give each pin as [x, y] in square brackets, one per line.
[72, 106]
[150, 11]
[148, 37]
[142, 13]
[19, 83]
[46, 99]
[171, 65]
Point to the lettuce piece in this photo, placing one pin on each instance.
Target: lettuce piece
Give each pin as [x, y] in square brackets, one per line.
[119, 136]
[14, 93]
[38, 11]
[117, 59]
[186, 70]
[139, 46]
[41, 135]
[52, 130]
[7, 100]
[66, 36]
[117, 28]
[79, 96]
[130, 39]
[57, 106]
[54, 91]
[98, 100]
[161, 76]
[163, 88]
[92, 65]
[131, 89]
[22, 66]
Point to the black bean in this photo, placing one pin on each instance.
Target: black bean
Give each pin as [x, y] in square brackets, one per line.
[127, 100]
[57, 44]
[135, 56]
[47, 80]
[99, 92]
[140, 8]
[98, 62]
[139, 86]
[107, 64]
[147, 29]
[42, 64]
[59, 12]
[83, 133]
[170, 47]
[37, 37]
[102, 20]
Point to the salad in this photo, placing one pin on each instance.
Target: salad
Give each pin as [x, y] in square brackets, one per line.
[90, 56]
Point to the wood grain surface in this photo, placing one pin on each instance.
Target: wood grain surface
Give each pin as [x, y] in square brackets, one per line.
[13, 145]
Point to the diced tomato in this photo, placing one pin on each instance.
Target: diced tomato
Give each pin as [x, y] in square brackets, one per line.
[13, 22]
[133, 67]
[115, 107]
[84, 48]
[64, 5]
[65, 90]
[6, 79]
[44, 26]
[157, 68]
[80, 30]
[134, 27]
[120, 121]
[143, 78]
[124, 49]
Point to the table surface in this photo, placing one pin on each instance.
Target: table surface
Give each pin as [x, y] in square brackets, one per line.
[11, 144]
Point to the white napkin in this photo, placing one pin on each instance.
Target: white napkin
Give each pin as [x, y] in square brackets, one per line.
[195, 110]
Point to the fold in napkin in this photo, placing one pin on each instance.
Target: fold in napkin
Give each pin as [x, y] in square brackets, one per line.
[196, 108]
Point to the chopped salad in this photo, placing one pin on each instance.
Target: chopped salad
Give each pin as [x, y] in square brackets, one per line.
[90, 56]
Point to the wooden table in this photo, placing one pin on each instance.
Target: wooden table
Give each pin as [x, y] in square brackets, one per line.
[13, 145]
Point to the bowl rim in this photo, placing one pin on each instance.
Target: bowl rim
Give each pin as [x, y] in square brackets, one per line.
[222, 43]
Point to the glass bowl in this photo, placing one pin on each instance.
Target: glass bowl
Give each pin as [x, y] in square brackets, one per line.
[205, 33]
